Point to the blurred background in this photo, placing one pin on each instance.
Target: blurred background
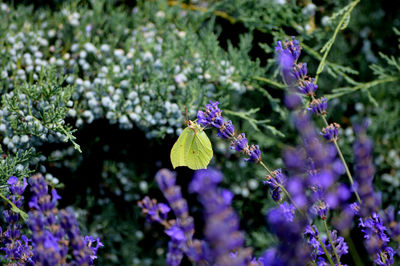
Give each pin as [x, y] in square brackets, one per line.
[124, 72]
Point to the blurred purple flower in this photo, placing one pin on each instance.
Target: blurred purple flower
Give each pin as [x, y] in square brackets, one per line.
[221, 222]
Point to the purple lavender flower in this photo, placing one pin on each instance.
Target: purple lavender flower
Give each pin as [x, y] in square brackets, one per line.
[195, 249]
[307, 86]
[16, 187]
[154, 212]
[339, 244]
[292, 249]
[318, 106]
[322, 209]
[274, 182]
[81, 252]
[341, 248]
[222, 224]
[355, 207]
[175, 245]
[17, 247]
[287, 211]
[393, 226]
[89, 240]
[50, 228]
[291, 47]
[240, 143]
[331, 132]
[312, 235]
[376, 239]
[211, 117]
[166, 182]
[254, 154]
[300, 71]
[364, 173]
[385, 257]
[226, 131]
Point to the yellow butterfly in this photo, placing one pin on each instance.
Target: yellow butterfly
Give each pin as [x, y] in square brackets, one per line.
[192, 149]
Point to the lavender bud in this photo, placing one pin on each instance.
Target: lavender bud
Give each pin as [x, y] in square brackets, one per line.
[318, 106]
[331, 132]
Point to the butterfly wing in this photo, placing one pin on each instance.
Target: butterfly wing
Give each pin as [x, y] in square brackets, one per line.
[192, 149]
[181, 148]
[201, 152]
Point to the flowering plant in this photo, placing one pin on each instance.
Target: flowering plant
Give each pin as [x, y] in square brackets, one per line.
[92, 95]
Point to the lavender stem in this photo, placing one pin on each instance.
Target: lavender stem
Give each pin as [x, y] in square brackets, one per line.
[330, 240]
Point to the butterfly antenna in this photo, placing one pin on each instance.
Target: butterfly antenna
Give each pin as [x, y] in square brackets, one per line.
[185, 118]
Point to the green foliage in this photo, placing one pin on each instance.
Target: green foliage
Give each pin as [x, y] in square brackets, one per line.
[105, 68]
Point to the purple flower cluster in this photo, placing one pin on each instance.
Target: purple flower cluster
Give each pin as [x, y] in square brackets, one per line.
[317, 159]
[292, 249]
[17, 247]
[364, 172]
[393, 226]
[318, 106]
[54, 232]
[222, 224]
[331, 132]
[314, 167]
[181, 229]
[275, 182]
[212, 117]
[155, 212]
[370, 222]
[224, 242]
[319, 256]
[376, 240]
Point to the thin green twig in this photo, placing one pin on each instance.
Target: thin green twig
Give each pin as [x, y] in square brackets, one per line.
[349, 176]
[333, 38]
[14, 208]
[361, 86]
[330, 241]
[270, 82]
[301, 212]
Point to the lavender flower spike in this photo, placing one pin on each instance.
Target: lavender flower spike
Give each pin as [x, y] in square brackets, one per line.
[222, 224]
[318, 106]
[331, 132]
[254, 154]
[17, 247]
[307, 86]
[240, 143]
[211, 117]
[274, 182]
[364, 172]
[226, 131]
[291, 47]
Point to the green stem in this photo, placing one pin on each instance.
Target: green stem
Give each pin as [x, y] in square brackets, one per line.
[14, 208]
[301, 212]
[325, 251]
[266, 168]
[361, 86]
[344, 163]
[330, 241]
[270, 82]
[332, 39]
